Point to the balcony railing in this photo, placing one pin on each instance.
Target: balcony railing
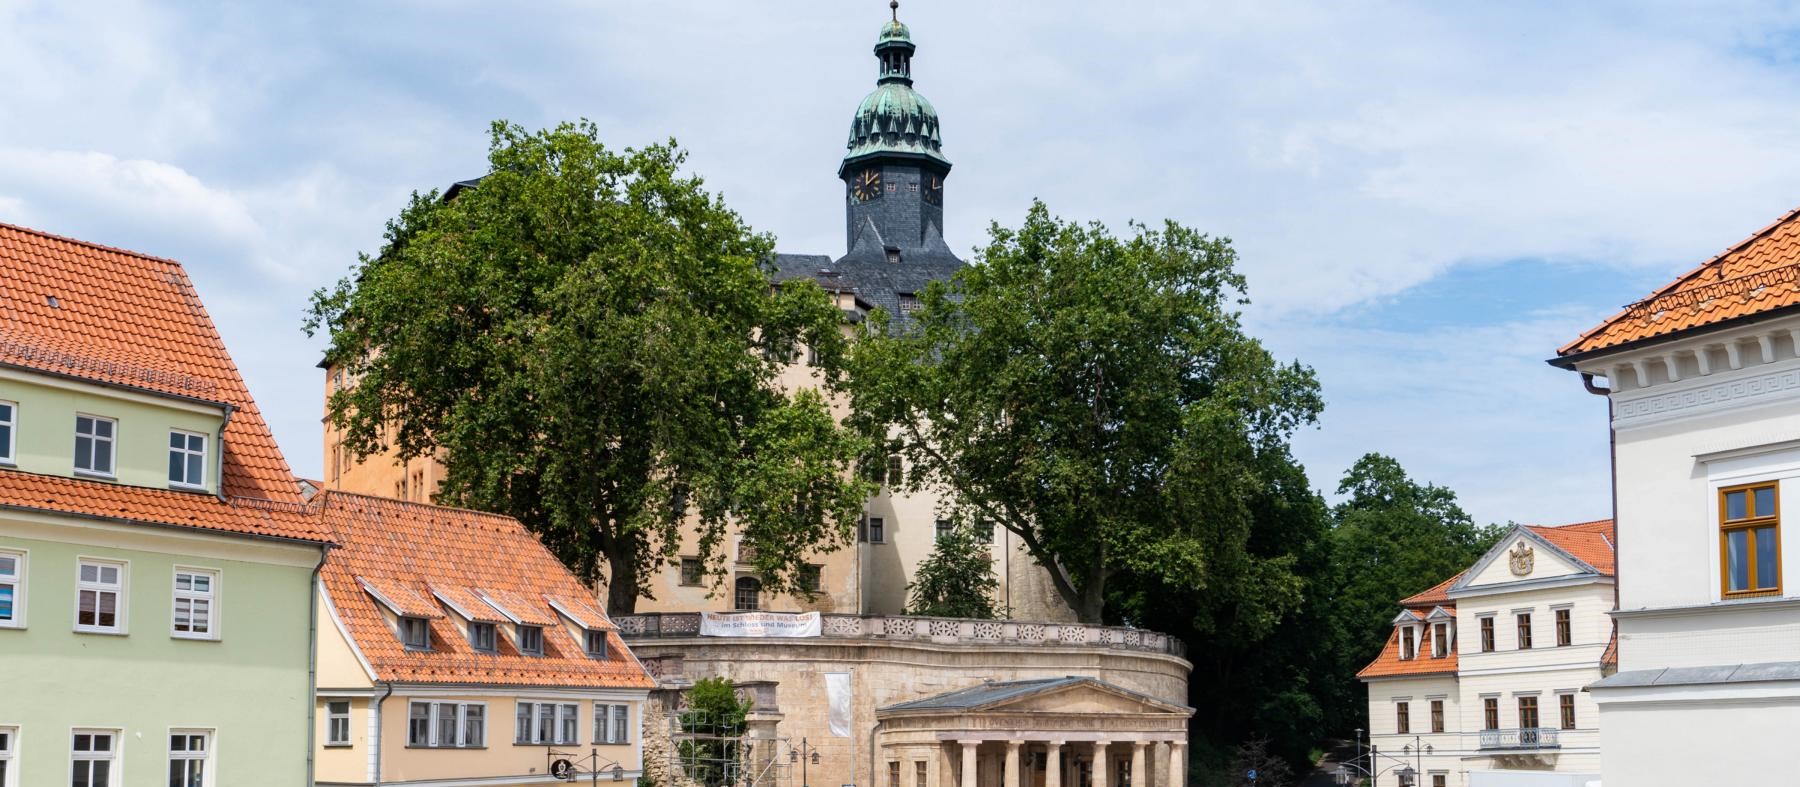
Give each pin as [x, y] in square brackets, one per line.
[1525, 739]
[662, 625]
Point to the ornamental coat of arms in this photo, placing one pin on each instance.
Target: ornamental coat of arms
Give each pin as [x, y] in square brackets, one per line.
[1520, 559]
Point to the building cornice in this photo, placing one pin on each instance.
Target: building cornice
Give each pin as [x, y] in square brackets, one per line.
[1743, 605]
[1523, 585]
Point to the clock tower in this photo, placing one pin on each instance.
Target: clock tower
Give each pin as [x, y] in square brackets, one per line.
[895, 168]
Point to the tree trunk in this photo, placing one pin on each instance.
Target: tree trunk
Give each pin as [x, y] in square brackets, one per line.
[622, 580]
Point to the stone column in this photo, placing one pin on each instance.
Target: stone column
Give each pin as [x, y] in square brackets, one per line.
[1053, 764]
[944, 770]
[1012, 764]
[1139, 774]
[968, 765]
[1100, 767]
[1178, 764]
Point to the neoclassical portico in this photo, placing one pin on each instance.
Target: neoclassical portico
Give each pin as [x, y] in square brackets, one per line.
[1055, 732]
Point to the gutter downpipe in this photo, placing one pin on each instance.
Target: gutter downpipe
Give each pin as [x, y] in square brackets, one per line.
[376, 709]
[312, 659]
[219, 474]
[872, 732]
[1612, 454]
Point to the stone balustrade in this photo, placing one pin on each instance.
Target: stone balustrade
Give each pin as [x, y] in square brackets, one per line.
[944, 631]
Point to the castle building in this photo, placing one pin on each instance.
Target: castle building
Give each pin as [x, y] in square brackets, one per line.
[1480, 683]
[1703, 381]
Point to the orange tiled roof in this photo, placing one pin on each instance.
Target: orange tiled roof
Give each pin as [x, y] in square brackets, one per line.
[1611, 657]
[116, 317]
[1437, 595]
[1389, 664]
[412, 549]
[1759, 274]
[1590, 542]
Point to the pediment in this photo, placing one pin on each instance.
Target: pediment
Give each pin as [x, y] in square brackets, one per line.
[1522, 556]
[1070, 695]
[1080, 698]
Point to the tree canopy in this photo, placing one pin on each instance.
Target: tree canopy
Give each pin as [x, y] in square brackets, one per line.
[590, 341]
[1094, 395]
[956, 581]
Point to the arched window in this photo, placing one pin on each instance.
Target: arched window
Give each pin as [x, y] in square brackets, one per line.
[749, 594]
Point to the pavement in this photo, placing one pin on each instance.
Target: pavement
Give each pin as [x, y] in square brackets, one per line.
[1324, 773]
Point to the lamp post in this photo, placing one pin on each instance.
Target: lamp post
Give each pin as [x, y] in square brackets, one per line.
[802, 755]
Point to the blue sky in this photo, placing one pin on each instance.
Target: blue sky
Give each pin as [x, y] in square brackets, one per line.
[1428, 197]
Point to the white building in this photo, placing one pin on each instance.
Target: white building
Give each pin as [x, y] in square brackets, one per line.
[1703, 379]
[1480, 684]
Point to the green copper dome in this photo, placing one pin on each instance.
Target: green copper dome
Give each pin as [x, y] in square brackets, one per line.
[895, 119]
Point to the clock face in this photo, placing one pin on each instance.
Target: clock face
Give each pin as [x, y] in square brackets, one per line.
[934, 191]
[865, 185]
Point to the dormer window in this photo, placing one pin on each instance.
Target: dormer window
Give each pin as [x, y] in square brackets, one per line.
[595, 643]
[187, 459]
[1409, 646]
[415, 633]
[94, 445]
[482, 637]
[531, 640]
[1440, 640]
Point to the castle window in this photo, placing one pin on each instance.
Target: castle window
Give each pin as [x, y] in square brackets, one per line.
[1749, 541]
[1408, 645]
[1487, 634]
[747, 595]
[909, 302]
[811, 577]
[1524, 619]
[1565, 629]
[1566, 703]
[1490, 713]
[690, 571]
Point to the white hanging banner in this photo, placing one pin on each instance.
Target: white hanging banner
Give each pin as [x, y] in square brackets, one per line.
[837, 695]
[759, 624]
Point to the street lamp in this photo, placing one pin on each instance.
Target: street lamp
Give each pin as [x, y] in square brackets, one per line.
[1406, 774]
[802, 755]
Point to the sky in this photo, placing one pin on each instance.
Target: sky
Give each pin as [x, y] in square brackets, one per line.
[1428, 198]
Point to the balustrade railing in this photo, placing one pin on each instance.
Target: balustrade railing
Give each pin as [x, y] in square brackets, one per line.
[1522, 738]
[663, 625]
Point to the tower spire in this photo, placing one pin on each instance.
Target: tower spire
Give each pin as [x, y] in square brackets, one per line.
[894, 7]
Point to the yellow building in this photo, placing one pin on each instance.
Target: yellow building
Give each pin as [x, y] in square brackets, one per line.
[454, 648]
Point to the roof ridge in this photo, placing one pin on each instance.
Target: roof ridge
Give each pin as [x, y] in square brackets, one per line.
[90, 244]
[325, 492]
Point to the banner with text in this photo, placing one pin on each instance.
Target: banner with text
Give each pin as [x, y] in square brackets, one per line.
[759, 624]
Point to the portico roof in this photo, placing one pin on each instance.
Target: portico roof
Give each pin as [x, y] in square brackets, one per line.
[997, 695]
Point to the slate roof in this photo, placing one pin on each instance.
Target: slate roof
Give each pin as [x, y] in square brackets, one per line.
[1758, 275]
[996, 692]
[1703, 676]
[428, 560]
[119, 318]
[868, 271]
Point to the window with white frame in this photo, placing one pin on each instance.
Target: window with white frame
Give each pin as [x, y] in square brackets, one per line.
[187, 459]
[189, 751]
[94, 444]
[8, 739]
[446, 725]
[12, 590]
[594, 643]
[92, 753]
[547, 723]
[337, 723]
[100, 597]
[531, 640]
[612, 723]
[9, 427]
[195, 603]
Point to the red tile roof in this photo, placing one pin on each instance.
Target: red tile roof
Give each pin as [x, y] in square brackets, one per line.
[410, 550]
[1760, 274]
[1437, 595]
[119, 318]
[1389, 664]
[1590, 542]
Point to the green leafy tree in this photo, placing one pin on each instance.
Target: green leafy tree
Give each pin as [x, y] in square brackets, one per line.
[1094, 395]
[1393, 537]
[956, 581]
[590, 340]
[712, 726]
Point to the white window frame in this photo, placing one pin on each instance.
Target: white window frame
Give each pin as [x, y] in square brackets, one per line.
[112, 754]
[112, 443]
[560, 713]
[122, 598]
[206, 755]
[9, 757]
[11, 444]
[434, 725]
[19, 582]
[331, 719]
[612, 723]
[211, 597]
[205, 450]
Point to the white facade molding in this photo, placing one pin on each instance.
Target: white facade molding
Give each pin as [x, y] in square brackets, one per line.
[1673, 401]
